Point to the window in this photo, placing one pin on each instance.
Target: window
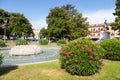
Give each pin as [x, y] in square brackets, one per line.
[99, 29]
[91, 30]
[98, 35]
[93, 34]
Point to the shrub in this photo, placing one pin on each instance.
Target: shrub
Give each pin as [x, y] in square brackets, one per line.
[112, 47]
[1, 58]
[2, 43]
[81, 57]
[43, 42]
[21, 42]
[61, 42]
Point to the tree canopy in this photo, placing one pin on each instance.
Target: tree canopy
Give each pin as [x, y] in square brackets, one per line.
[116, 24]
[43, 33]
[66, 21]
[58, 23]
[17, 24]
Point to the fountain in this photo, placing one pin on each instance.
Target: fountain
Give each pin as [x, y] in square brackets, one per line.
[27, 54]
[25, 50]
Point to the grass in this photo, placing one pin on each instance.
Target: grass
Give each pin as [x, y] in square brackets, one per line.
[52, 71]
[50, 45]
[11, 43]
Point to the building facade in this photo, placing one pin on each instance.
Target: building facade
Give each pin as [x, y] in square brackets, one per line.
[96, 29]
[36, 33]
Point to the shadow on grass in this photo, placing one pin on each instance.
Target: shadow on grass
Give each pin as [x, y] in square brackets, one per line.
[7, 69]
[117, 78]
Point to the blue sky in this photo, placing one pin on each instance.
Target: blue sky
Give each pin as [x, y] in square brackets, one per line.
[37, 10]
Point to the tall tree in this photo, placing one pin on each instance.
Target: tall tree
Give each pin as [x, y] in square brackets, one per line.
[19, 25]
[79, 27]
[71, 10]
[58, 23]
[16, 24]
[4, 21]
[116, 24]
[66, 21]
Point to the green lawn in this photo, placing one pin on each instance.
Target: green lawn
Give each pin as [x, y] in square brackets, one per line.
[51, 45]
[11, 43]
[52, 71]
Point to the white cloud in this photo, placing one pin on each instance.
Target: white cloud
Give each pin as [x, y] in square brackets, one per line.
[98, 17]
[38, 24]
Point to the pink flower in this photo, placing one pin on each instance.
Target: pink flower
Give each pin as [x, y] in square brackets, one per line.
[89, 48]
[63, 48]
[102, 64]
[70, 52]
[77, 45]
[94, 53]
[71, 70]
[77, 66]
[66, 53]
[90, 61]
[76, 61]
[66, 62]
[83, 61]
[68, 56]
[91, 57]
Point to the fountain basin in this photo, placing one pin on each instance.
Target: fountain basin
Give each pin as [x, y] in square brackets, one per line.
[47, 55]
[25, 50]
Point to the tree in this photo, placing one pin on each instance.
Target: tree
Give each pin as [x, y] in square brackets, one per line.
[116, 24]
[58, 22]
[16, 24]
[19, 25]
[43, 33]
[4, 20]
[79, 27]
[71, 10]
[66, 21]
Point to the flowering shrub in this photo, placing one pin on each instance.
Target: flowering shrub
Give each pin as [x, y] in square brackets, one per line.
[112, 47]
[81, 57]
